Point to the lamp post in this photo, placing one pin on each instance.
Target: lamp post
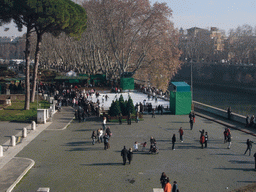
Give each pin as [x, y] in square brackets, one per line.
[191, 81]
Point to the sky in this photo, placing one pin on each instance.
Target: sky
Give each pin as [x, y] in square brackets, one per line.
[223, 14]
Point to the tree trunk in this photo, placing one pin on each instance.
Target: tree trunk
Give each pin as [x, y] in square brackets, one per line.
[27, 57]
[37, 54]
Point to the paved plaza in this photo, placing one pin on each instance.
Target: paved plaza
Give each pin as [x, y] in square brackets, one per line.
[66, 160]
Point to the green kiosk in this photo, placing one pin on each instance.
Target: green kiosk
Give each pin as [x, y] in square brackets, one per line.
[180, 98]
[126, 81]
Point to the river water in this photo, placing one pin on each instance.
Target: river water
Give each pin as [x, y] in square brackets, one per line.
[241, 103]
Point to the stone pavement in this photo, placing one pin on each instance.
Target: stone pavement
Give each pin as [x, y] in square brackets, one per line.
[13, 168]
[65, 159]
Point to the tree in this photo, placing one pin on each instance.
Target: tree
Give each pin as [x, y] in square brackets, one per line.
[114, 108]
[122, 105]
[43, 16]
[130, 107]
[56, 16]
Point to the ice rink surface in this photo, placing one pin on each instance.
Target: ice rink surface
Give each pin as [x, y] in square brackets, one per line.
[137, 97]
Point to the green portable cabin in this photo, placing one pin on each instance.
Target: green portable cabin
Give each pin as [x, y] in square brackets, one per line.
[180, 98]
[127, 83]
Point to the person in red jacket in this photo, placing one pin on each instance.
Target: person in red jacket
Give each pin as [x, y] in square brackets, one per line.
[168, 186]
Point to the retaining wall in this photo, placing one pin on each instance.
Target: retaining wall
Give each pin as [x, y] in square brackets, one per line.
[220, 112]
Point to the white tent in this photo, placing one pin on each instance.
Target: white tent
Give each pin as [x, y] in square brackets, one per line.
[71, 73]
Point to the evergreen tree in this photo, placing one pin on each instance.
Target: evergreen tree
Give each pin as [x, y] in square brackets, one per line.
[114, 109]
[130, 107]
[122, 105]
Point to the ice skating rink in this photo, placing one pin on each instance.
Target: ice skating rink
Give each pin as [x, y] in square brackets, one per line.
[137, 97]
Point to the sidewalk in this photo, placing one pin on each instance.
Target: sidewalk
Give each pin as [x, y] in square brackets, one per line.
[12, 168]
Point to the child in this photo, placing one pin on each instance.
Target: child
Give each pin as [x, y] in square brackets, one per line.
[136, 146]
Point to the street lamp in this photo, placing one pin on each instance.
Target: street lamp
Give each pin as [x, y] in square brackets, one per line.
[191, 81]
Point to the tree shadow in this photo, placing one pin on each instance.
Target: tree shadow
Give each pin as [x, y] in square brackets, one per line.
[103, 164]
[229, 154]
[169, 140]
[82, 130]
[246, 181]
[177, 122]
[87, 149]
[79, 143]
[237, 169]
[188, 147]
[241, 162]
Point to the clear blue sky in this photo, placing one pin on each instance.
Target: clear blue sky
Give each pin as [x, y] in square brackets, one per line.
[224, 14]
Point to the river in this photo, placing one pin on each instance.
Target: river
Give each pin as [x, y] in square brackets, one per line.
[241, 103]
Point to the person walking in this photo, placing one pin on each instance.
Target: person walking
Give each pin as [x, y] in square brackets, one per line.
[124, 153]
[181, 134]
[130, 155]
[168, 186]
[249, 146]
[163, 179]
[173, 141]
[120, 118]
[206, 139]
[153, 113]
[255, 159]
[229, 140]
[94, 135]
[202, 140]
[100, 135]
[175, 187]
[229, 111]
[137, 117]
[191, 120]
[136, 146]
[106, 141]
[104, 123]
[108, 132]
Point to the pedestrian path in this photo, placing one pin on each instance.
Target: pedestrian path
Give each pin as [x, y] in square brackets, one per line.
[12, 169]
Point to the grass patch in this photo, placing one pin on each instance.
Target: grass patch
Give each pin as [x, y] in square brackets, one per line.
[16, 112]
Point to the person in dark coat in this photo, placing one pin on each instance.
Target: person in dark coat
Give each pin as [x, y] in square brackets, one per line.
[93, 137]
[175, 187]
[247, 121]
[124, 153]
[120, 118]
[163, 179]
[191, 119]
[108, 132]
[249, 146]
[106, 141]
[229, 112]
[206, 139]
[255, 159]
[173, 141]
[130, 155]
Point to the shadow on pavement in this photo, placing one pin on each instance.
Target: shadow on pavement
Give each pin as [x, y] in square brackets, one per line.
[227, 154]
[237, 169]
[241, 162]
[79, 143]
[87, 149]
[82, 130]
[102, 164]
